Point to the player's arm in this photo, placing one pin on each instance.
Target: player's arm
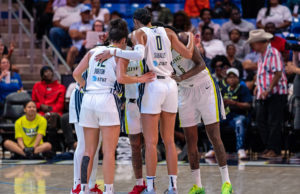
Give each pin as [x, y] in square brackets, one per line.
[139, 39]
[83, 65]
[199, 66]
[123, 78]
[186, 52]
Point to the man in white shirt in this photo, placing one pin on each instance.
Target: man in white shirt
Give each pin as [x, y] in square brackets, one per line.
[236, 22]
[62, 20]
[100, 13]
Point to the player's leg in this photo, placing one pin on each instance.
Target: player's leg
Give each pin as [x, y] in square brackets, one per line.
[110, 137]
[13, 147]
[92, 182]
[167, 124]
[150, 130]
[45, 147]
[136, 142]
[91, 139]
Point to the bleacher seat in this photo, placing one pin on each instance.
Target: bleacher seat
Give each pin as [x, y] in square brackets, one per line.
[174, 7]
[295, 27]
[121, 8]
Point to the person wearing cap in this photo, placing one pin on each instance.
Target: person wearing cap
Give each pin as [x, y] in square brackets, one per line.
[271, 92]
[49, 96]
[78, 32]
[237, 101]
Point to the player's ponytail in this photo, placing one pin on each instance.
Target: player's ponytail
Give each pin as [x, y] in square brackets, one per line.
[117, 30]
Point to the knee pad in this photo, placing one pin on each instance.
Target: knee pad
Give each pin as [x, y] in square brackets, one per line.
[84, 168]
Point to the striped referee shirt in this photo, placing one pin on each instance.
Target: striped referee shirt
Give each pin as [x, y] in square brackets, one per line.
[268, 64]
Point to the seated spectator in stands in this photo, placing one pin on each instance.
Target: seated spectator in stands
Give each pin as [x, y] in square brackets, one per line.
[275, 13]
[9, 81]
[29, 132]
[192, 8]
[44, 19]
[231, 50]
[242, 48]
[182, 22]
[205, 16]
[271, 95]
[220, 64]
[63, 18]
[211, 46]
[100, 13]
[222, 9]
[49, 96]
[237, 101]
[77, 32]
[58, 3]
[236, 22]
[250, 69]
[159, 13]
[277, 42]
[294, 7]
[4, 52]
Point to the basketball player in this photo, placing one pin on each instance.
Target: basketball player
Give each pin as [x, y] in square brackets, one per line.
[100, 108]
[74, 111]
[199, 97]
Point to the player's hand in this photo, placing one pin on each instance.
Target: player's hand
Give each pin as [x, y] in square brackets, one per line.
[103, 56]
[176, 78]
[81, 84]
[147, 77]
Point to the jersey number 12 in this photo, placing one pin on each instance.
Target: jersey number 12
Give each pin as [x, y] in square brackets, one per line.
[158, 43]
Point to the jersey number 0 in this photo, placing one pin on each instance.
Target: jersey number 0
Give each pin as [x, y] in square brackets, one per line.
[158, 43]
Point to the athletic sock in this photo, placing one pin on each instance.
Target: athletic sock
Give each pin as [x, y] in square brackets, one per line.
[172, 182]
[197, 177]
[140, 182]
[150, 183]
[224, 174]
[108, 189]
[84, 187]
[76, 182]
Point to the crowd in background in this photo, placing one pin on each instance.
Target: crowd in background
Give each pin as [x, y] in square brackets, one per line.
[244, 88]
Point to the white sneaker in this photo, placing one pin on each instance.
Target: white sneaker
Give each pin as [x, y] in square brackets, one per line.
[210, 154]
[242, 154]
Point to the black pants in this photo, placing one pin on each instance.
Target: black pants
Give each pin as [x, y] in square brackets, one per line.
[68, 131]
[270, 120]
[297, 114]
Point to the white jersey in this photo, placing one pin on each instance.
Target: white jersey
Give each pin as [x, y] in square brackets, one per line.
[182, 65]
[133, 69]
[158, 54]
[101, 76]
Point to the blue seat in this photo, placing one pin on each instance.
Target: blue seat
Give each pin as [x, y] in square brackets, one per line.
[114, 1]
[195, 22]
[135, 6]
[174, 7]
[121, 8]
[295, 27]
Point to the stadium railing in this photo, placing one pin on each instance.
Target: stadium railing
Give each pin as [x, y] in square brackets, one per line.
[22, 27]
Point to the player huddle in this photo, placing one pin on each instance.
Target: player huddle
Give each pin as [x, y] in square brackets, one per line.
[158, 83]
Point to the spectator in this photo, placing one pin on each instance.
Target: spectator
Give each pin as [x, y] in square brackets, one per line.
[4, 52]
[159, 13]
[236, 22]
[223, 9]
[58, 3]
[294, 7]
[77, 32]
[275, 13]
[192, 8]
[9, 81]
[294, 68]
[271, 90]
[250, 68]
[237, 101]
[220, 64]
[277, 42]
[231, 50]
[242, 48]
[63, 18]
[29, 132]
[182, 22]
[211, 46]
[99, 13]
[205, 16]
[44, 20]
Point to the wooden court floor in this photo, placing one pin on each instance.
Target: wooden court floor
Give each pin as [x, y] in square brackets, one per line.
[58, 178]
